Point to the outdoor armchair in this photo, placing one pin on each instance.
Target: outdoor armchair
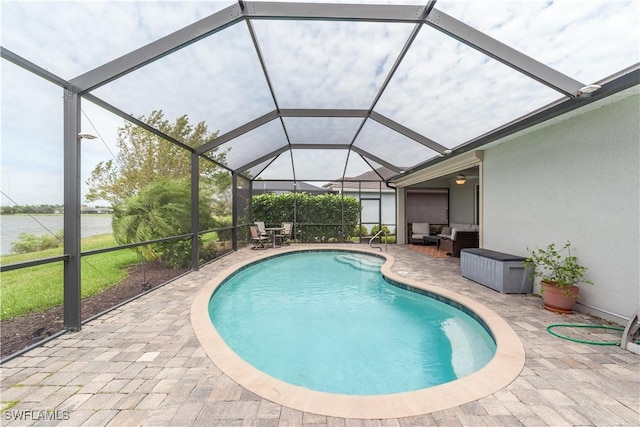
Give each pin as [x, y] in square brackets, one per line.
[417, 232]
[258, 241]
[262, 230]
[285, 234]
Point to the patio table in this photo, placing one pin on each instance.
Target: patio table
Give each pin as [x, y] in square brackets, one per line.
[432, 239]
[272, 231]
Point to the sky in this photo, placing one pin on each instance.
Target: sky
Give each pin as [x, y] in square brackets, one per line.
[442, 89]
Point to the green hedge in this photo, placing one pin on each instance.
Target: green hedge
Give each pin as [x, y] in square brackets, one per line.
[327, 217]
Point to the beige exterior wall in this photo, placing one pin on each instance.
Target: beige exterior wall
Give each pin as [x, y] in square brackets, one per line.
[577, 180]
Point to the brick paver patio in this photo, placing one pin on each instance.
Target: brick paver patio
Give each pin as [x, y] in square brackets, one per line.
[141, 364]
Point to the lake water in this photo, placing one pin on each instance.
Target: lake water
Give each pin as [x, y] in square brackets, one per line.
[11, 226]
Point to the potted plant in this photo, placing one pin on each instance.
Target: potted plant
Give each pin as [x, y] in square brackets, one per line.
[559, 273]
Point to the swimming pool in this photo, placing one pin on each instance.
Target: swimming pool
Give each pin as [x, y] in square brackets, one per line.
[502, 369]
[329, 321]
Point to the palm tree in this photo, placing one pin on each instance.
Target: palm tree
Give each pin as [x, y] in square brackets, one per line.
[162, 209]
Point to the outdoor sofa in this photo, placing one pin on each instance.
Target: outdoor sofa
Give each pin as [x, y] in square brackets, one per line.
[458, 236]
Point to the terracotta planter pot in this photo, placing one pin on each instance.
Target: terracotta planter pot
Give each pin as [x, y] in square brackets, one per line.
[555, 299]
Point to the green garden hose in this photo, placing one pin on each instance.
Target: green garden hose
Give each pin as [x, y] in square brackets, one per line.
[570, 325]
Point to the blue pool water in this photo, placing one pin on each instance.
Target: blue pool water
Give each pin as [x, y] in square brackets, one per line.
[328, 321]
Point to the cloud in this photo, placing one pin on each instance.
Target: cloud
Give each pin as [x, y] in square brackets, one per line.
[70, 38]
[278, 168]
[217, 80]
[255, 144]
[31, 137]
[321, 165]
[587, 40]
[463, 93]
[385, 143]
[443, 89]
[457, 84]
[328, 64]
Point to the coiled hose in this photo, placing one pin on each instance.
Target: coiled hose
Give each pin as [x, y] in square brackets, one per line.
[570, 325]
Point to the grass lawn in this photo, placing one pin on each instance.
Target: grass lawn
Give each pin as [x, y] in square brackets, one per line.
[38, 288]
[34, 289]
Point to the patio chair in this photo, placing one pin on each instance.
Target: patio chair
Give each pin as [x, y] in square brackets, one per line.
[258, 241]
[418, 231]
[285, 234]
[459, 240]
[262, 230]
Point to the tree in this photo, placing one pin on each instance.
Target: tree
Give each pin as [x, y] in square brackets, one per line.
[143, 158]
[161, 209]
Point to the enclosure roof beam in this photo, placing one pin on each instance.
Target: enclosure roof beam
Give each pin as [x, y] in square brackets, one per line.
[158, 49]
[320, 146]
[261, 159]
[99, 102]
[378, 160]
[94, 99]
[256, 46]
[504, 53]
[293, 112]
[333, 12]
[319, 112]
[367, 161]
[403, 52]
[628, 78]
[31, 67]
[407, 132]
[231, 15]
[263, 66]
[240, 130]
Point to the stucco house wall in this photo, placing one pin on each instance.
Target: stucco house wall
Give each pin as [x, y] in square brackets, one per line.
[461, 202]
[575, 180]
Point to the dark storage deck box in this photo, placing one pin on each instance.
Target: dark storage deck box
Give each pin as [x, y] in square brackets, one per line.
[503, 272]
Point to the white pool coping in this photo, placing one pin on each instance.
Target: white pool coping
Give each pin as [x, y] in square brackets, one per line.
[505, 366]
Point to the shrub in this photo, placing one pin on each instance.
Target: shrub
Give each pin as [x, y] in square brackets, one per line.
[376, 228]
[222, 222]
[317, 218]
[28, 242]
[360, 230]
[162, 209]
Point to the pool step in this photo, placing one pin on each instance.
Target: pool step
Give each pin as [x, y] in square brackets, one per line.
[361, 262]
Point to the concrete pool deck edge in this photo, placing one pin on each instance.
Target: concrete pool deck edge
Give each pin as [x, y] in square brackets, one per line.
[505, 366]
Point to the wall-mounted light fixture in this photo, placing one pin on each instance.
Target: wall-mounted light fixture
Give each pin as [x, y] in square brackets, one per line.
[461, 179]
